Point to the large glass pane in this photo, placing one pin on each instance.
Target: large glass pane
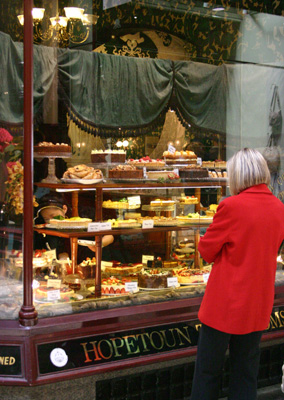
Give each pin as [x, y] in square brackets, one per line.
[152, 85]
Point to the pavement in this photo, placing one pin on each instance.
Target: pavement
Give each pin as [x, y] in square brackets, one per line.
[268, 393]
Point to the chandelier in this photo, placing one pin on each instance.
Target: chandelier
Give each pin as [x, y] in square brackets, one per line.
[73, 28]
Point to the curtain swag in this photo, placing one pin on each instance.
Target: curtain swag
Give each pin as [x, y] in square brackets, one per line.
[111, 95]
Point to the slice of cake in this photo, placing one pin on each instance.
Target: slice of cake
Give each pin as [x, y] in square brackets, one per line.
[108, 156]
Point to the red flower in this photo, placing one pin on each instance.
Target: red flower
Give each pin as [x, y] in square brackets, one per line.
[5, 136]
[10, 164]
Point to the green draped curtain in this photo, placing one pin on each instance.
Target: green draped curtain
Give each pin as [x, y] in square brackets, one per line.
[104, 93]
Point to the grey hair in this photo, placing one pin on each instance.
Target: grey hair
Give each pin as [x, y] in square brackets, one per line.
[245, 169]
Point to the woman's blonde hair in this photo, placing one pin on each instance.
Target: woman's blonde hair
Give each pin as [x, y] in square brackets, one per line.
[245, 169]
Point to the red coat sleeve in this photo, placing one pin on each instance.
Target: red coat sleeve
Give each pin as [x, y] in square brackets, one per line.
[217, 235]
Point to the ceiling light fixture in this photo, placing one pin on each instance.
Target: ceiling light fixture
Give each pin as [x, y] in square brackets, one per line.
[73, 28]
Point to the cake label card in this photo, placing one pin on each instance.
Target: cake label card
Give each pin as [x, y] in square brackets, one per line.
[173, 281]
[99, 226]
[134, 200]
[199, 161]
[55, 283]
[148, 224]
[171, 149]
[145, 259]
[106, 264]
[206, 277]
[131, 286]
[53, 295]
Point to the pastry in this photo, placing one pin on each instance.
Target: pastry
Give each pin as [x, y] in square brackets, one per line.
[82, 171]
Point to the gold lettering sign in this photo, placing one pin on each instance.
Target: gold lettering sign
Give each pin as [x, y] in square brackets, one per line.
[138, 343]
[276, 320]
[7, 360]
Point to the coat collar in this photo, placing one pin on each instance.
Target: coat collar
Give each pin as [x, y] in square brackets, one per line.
[261, 188]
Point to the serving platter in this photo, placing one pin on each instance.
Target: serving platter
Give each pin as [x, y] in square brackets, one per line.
[82, 181]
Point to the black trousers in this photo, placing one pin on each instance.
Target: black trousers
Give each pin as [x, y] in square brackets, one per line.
[244, 355]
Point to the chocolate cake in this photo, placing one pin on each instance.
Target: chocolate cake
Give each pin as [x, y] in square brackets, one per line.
[108, 156]
[189, 172]
[86, 269]
[154, 278]
[51, 148]
[125, 172]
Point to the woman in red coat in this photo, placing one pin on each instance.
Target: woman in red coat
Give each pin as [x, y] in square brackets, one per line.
[243, 243]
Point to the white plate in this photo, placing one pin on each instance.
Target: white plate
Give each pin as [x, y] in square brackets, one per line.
[50, 226]
[185, 250]
[76, 296]
[82, 181]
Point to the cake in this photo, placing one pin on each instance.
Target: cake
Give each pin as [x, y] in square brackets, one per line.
[208, 164]
[186, 243]
[195, 218]
[120, 204]
[51, 148]
[132, 215]
[191, 276]
[114, 286]
[220, 164]
[155, 278]
[187, 157]
[41, 293]
[210, 212]
[188, 200]
[40, 260]
[162, 175]
[125, 172]
[82, 171]
[161, 203]
[86, 269]
[189, 172]
[156, 263]
[60, 222]
[123, 269]
[146, 162]
[108, 156]
[185, 257]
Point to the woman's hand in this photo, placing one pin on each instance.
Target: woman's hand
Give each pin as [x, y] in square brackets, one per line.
[106, 240]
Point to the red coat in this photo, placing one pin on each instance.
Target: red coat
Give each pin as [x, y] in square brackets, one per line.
[243, 242]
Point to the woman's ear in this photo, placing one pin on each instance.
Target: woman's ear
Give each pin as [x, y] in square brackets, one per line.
[64, 208]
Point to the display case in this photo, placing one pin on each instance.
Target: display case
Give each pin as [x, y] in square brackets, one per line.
[154, 233]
